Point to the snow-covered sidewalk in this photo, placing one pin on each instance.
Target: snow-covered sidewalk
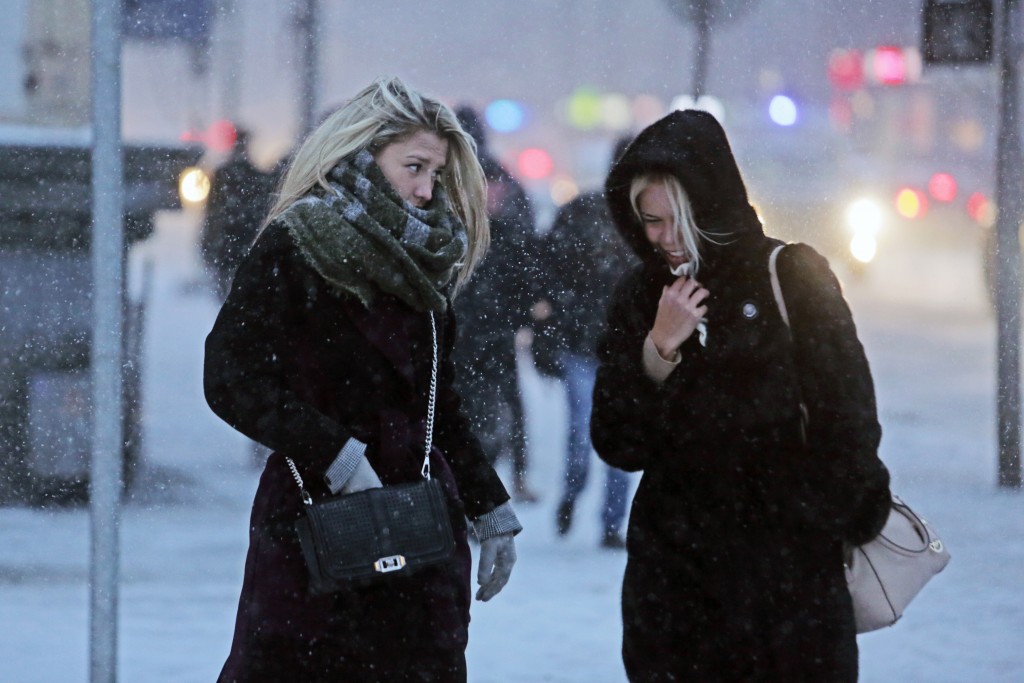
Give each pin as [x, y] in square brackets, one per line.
[929, 336]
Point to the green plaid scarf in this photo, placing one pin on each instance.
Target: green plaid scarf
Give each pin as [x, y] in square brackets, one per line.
[362, 237]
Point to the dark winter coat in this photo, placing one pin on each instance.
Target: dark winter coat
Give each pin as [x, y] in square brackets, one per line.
[300, 369]
[239, 199]
[497, 301]
[584, 257]
[735, 569]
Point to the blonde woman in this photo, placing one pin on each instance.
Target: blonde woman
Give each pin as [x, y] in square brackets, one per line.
[323, 352]
[735, 540]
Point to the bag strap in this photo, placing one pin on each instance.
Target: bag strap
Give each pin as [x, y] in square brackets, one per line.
[431, 406]
[776, 287]
[805, 416]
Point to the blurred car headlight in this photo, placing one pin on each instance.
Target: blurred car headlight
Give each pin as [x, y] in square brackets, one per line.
[863, 247]
[193, 185]
[864, 216]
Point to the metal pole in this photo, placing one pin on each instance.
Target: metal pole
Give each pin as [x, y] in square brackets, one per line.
[108, 276]
[702, 24]
[307, 22]
[1008, 285]
[231, 61]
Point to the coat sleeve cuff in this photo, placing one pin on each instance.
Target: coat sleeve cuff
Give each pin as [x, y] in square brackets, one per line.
[339, 471]
[656, 367]
[499, 521]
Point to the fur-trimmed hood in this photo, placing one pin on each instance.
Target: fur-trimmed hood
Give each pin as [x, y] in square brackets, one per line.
[692, 146]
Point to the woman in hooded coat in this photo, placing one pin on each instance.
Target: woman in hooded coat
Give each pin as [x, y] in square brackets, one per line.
[323, 352]
[735, 541]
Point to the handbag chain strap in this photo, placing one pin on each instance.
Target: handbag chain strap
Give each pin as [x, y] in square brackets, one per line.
[425, 470]
[306, 498]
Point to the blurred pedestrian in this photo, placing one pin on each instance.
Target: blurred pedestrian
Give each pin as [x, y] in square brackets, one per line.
[323, 352]
[584, 258]
[494, 306]
[735, 544]
[239, 198]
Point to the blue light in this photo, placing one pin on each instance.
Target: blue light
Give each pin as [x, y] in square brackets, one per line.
[505, 116]
[782, 110]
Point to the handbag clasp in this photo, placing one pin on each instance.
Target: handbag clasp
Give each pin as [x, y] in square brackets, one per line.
[389, 564]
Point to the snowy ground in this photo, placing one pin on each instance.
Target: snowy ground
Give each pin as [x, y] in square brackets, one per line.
[930, 338]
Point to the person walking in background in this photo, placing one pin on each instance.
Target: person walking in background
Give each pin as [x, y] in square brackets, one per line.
[584, 258]
[735, 544]
[323, 352]
[492, 308]
[240, 195]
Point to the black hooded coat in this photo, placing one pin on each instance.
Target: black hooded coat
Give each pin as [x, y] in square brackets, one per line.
[735, 569]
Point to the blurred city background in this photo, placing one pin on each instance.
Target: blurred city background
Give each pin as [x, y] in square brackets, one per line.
[846, 139]
[823, 100]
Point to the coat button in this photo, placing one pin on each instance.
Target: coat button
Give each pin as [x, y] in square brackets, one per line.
[750, 310]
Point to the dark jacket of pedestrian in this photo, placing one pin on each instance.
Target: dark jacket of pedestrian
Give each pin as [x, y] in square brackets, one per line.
[239, 198]
[735, 540]
[496, 302]
[584, 258]
[494, 305]
[323, 352]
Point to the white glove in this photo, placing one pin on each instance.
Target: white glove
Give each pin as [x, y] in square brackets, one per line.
[363, 477]
[497, 556]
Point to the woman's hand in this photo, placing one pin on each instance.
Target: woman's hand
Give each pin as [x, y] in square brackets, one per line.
[497, 557]
[680, 309]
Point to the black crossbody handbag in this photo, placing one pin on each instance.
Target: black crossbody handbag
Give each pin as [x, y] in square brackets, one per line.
[368, 536]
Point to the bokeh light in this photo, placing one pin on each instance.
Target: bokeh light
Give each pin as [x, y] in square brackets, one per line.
[646, 110]
[910, 203]
[888, 65]
[505, 116]
[981, 209]
[846, 69]
[193, 185]
[584, 111]
[782, 110]
[534, 163]
[615, 112]
[942, 187]
[564, 189]
[863, 247]
[864, 216]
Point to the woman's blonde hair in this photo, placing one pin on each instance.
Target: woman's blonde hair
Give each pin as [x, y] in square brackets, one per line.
[684, 228]
[389, 111]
